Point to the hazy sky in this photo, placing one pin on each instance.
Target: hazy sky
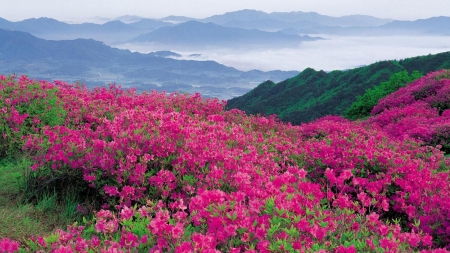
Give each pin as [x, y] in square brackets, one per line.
[66, 10]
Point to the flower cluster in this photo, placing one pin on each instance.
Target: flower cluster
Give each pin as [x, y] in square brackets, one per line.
[420, 110]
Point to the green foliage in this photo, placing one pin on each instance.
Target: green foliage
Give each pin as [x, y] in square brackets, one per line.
[39, 215]
[47, 109]
[42, 107]
[364, 104]
[313, 94]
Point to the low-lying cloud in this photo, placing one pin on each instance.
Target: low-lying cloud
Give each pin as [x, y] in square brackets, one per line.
[334, 53]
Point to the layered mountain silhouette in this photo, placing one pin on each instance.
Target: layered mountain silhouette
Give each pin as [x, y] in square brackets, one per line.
[89, 60]
[110, 32]
[245, 28]
[193, 34]
[434, 25]
[298, 16]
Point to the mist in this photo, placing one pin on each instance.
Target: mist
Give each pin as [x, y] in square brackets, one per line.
[333, 53]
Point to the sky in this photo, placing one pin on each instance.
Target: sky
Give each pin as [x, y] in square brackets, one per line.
[85, 10]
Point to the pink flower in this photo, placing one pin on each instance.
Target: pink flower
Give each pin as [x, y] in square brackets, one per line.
[383, 229]
[111, 190]
[413, 239]
[144, 239]
[89, 178]
[129, 240]
[373, 218]
[8, 246]
[64, 249]
[126, 213]
[41, 241]
[184, 247]
[177, 231]
[370, 243]
[427, 240]
[329, 174]
[343, 249]
[355, 226]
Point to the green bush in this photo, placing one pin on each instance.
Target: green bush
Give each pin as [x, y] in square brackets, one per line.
[364, 104]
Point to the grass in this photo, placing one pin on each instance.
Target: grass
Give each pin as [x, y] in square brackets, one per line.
[22, 214]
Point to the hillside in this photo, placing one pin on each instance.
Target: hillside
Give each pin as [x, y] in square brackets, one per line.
[152, 172]
[313, 94]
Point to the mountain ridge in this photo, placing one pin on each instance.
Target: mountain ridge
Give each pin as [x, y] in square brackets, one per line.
[52, 29]
[248, 14]
[313, 94]
[197, 34]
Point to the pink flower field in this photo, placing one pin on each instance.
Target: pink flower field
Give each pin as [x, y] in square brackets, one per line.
[177, 173]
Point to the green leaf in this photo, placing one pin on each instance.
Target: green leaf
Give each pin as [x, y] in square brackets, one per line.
[323, 224]
[51, 238]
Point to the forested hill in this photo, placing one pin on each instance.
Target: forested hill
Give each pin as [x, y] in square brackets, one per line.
[313, 94]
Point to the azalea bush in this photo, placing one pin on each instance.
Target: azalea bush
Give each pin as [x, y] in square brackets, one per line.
[25, 107]
[420, 110]
[178, 173]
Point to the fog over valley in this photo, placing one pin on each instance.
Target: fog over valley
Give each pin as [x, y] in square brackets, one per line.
[332, 53]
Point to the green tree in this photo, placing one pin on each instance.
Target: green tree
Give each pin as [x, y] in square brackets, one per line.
[364, 104]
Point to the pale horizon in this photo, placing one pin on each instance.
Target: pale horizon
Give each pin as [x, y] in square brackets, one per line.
[86, 10]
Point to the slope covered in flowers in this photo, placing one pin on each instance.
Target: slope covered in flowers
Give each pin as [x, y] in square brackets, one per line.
[420, 110]
[177, 173]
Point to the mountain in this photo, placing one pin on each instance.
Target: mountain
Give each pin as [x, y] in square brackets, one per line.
[95, 63]
[272, 25]
[17, 46]
[241, 15]
[194, 34]
[47, 28]
[434, 25]
[297, 31]
[129, 19]
[313, 94]
[176, 19]
[298, 16]
[324, 20]
[164, 54]
[314, 23]
[147, 23]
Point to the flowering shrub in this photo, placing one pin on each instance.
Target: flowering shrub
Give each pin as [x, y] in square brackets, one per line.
[177, 173]
[419, 110]
[25, 107]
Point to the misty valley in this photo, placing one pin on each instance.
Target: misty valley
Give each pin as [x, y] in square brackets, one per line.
[222, 56]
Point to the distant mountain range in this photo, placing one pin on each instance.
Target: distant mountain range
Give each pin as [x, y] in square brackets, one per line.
[47, 28]
[287, 17]
[95, 63]
[223, 30]
[434, 25]
[313, 94]
[314, 23]
[298, 16]
[194, 34]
